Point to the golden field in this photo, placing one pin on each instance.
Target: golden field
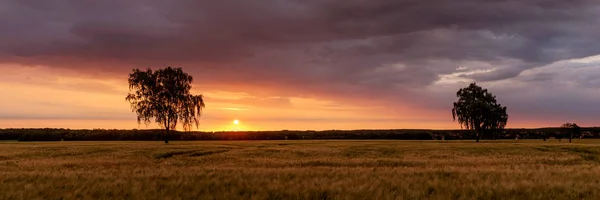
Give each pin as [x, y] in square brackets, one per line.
[315, 169]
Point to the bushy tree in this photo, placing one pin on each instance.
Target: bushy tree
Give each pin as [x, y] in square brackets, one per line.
[477, 110]
[571, 129]
[164, 96]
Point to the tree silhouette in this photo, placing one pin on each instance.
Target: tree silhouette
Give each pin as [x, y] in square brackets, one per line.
[571, 129]
[164, 95]
[477, 110]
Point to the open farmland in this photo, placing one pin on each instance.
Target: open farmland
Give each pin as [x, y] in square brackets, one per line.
[316, 169]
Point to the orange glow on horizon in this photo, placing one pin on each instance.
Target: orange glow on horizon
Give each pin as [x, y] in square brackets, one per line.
[43, 98]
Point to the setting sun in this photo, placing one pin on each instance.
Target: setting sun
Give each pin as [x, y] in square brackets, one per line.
[236, 122]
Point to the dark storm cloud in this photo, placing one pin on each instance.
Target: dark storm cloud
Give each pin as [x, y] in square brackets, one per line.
[532, 31]
[345, 47]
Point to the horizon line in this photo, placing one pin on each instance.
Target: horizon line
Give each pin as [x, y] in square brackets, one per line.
[155, 129]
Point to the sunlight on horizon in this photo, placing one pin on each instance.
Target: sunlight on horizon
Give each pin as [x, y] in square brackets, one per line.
[71, 101]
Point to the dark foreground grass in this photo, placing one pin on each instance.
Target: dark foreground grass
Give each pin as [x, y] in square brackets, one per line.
[301, 170]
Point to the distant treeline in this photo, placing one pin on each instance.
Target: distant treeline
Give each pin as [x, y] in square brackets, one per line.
[398, 134]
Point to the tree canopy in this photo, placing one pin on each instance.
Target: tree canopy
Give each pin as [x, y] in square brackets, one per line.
[478, 110]
[571, 129]
[164, 96]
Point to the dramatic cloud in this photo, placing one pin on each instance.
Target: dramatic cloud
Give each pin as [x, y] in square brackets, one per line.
[405, 55]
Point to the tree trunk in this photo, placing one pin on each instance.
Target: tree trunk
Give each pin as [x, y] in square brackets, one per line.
[477, 129]
[570, 137]
[167, 136]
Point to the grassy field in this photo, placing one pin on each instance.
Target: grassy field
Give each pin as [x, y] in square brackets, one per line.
[300, 170]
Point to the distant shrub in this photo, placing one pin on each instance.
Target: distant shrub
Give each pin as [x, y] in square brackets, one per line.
[43, 135]
[394, 134]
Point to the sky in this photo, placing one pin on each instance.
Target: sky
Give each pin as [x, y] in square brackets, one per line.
[301, 64]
